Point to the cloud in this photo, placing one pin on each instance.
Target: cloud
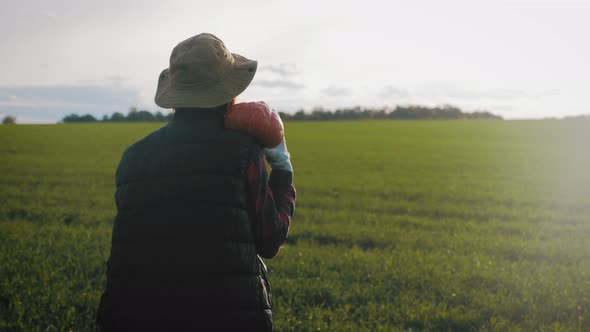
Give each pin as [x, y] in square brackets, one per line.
[278, 84]
[336, 91]
[435, 93]
[499, 107]
[393, 92]
[545, 93]
[278, 77]
[50, 15]
[116, 79]
[463, 93]
[51, 103]
[282, 69]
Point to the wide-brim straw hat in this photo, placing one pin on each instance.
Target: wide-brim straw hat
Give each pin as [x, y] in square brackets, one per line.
[203, 74]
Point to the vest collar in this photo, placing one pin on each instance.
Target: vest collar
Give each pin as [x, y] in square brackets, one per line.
[209, 119]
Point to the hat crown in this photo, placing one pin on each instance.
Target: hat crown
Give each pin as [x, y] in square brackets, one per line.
[203, 73]
[199, 60]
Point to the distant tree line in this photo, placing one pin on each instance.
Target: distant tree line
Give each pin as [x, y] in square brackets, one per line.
[9, 119]
[412, 112]
[134, 115]
[577, 117]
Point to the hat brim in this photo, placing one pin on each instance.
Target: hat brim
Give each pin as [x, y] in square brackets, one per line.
[234, 83]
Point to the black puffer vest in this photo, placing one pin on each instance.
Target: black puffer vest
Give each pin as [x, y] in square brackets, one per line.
[183, 255]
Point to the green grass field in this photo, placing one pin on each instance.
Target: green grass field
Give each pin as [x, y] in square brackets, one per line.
[409, 226]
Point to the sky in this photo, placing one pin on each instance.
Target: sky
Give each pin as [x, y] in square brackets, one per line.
[518, 59]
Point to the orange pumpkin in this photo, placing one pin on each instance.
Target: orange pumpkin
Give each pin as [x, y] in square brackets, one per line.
[256, 119]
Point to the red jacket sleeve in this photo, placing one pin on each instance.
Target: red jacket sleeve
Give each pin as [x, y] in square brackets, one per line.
[272, 204]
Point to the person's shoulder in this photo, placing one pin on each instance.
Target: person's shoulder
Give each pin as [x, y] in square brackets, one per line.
[135, 153]
[154, 138]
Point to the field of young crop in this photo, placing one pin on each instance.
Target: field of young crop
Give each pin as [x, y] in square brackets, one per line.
[400, 226]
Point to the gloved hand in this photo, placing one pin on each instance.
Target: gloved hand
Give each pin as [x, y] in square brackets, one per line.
[278, 157]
